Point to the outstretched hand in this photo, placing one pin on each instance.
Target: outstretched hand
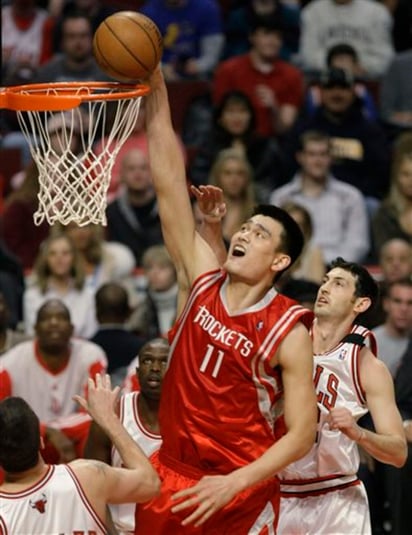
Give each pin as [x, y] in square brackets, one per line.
[210, 494]
[210, 201]
[101, 399]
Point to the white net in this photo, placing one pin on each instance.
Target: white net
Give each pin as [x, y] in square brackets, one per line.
[73, 178]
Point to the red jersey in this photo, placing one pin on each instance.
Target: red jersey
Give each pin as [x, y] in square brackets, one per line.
[219, 395]
[285, 80]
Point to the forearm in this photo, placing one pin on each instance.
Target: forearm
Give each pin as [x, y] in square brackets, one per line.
[289, 448]
[212, 234]
[386, 449]
[165, 152]
[132, 455]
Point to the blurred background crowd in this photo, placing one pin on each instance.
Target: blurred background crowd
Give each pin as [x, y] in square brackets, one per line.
[306, 104]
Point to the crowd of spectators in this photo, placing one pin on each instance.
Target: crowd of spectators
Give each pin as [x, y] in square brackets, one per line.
[307, 104]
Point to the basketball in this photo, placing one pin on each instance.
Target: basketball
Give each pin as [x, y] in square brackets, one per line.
[127, 46]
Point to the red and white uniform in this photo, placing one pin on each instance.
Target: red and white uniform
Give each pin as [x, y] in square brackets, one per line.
[335, 499]
[55, 504]
[123, 514]
[219, 394]
[24, 373]
[23, 42]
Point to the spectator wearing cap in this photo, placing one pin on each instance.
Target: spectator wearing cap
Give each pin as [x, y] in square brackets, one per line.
[360, 150]
[363, 24]
[343, 56]
[274, 87]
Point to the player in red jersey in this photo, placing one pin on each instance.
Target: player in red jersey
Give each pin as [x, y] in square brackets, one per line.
[240, 353]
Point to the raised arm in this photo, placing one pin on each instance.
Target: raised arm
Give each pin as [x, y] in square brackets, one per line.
[388, 443]
[187, 248]
[138, 481]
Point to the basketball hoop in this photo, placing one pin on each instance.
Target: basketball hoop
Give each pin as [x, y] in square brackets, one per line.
[74, 179]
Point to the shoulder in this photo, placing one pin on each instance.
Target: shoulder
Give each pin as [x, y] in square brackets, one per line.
[316, 6]
[233, 63]
[374, 8]
[372, 370]
[288, 69]
[346, 189]
[21, 353]
[296, 345]
[86, 348]
[89, 471]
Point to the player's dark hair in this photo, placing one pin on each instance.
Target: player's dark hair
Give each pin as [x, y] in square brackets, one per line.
[365, 284]
[19, 435]
[291, 237]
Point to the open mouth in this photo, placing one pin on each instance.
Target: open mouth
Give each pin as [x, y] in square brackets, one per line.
[238, 250]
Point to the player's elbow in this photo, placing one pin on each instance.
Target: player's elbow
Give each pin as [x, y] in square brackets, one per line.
[400, 455]
[151, 485]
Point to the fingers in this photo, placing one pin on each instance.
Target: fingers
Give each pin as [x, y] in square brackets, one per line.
[81, 401]
[204, 510]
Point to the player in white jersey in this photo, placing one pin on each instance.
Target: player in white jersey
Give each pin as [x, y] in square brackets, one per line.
[48, 371]
[321, 493]
[138, 412]
[41, 499]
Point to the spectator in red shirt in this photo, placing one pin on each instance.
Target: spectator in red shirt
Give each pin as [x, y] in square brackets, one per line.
[274, 86]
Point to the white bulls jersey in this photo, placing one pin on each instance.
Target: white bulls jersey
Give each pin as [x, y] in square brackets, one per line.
[333, 461]
[56, 505]
[123, 514]
[23, 45]
[24, 373]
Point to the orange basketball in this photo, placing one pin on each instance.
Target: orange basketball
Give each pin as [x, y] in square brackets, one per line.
[127, 46]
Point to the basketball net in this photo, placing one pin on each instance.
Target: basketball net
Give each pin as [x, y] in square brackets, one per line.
[73, 179]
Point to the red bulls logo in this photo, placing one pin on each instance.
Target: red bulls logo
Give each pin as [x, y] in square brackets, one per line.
[40, 505]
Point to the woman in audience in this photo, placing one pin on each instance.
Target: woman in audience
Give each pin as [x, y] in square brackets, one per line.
[233, 126]
[58, 273]
[232, 172]
[311, 264]
[393, 219]
[102, 261]
[156, 313]
[21, 236]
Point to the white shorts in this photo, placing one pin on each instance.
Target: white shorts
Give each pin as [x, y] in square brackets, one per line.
[338, 512]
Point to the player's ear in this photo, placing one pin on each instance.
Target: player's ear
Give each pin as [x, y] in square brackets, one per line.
[362, 304]
[281, 261]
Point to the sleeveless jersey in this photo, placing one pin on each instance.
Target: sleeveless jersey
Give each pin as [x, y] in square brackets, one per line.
[123, 514]
[23, 45]
[54, 505]
[333, 461]
[217, 409]
[50, 394]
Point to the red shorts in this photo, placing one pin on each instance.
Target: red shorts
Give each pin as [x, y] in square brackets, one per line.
[254, 511]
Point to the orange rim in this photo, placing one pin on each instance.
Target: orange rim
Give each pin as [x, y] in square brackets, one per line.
[65, 95]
